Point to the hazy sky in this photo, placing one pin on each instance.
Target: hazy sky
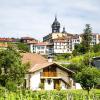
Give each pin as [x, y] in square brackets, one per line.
[34, 17]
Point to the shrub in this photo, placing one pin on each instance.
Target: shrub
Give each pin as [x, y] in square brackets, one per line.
[11, 86]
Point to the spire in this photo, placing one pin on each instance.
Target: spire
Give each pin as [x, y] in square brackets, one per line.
[64, 31]
[55, 17]
[55, 26]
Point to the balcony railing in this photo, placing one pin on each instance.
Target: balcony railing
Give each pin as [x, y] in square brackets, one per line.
[55, 75]
[48, 74]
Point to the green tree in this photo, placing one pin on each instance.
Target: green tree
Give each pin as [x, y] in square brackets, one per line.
[23, 47]
[12, 69]
[75, 67]
[96, 48]
[87, 37]
[79, 49]
[88, 78]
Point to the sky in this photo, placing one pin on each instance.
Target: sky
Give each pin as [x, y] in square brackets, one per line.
[33, 18]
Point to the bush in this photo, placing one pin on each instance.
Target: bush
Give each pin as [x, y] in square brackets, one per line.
[11, 86]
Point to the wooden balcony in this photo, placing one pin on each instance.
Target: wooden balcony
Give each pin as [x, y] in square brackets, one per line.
[48, 74]
[55, 75]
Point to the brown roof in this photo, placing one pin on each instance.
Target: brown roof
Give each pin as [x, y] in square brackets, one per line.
[39, 66]
[7, 40]
[27, 38]
[38, 62]
[33, 58]
[63, 39]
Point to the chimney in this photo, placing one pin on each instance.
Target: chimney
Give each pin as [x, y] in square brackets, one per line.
[50, 58]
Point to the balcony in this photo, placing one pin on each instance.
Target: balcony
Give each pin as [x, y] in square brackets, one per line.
[53, 75]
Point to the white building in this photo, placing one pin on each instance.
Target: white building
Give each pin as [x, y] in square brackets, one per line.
[60, 42]
[46, 73]
[43, 48]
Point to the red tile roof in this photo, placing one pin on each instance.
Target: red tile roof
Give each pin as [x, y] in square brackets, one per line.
[7, 40]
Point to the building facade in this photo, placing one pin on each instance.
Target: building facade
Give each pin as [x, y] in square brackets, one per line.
[58, 42]
[63, 42]
[46, 75]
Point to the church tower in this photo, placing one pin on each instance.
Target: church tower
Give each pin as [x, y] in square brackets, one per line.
[55, 26]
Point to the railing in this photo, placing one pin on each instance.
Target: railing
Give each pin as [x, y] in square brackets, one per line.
[48, 74]
[56, 75]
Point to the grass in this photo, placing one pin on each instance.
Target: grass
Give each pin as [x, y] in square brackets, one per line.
[49, 95]
[76, 59]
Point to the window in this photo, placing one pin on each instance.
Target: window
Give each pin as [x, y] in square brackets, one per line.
[42, 47]
[49, 81]
[55, 47]
[38, 47]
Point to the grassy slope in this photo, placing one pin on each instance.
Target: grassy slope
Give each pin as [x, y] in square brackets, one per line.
[77, 59]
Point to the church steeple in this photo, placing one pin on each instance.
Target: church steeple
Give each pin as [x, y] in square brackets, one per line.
[64, 31]
[55, 26]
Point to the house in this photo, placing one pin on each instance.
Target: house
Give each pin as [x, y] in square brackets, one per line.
[62, 45]
[43, 48]
[28, 40]
[43, 71]
[12, 40]
[66, 45]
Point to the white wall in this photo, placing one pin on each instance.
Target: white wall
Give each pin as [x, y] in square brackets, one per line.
[35, 80]
[48, 86]
[63, 85]
[31, 48]
[78, 86]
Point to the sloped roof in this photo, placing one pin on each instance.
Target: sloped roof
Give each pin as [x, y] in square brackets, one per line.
[38, 62]
[33, 58]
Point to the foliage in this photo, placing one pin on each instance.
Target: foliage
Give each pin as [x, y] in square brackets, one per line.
[75, 67]
[87, 58]
[12, 69]
[87, 37]
[96, 48]
[49, 95]
[10, 85]
[79, 49]
[88, 77]
[62, 56]
[23, 47]
[41, 86]
[76, 59]
[84, 46]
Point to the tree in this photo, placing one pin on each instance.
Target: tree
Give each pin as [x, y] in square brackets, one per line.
[79, 49]
[23, 47]
[74, 67]
[87, 37]
[88, 78]
[96, 48]
[12, 69]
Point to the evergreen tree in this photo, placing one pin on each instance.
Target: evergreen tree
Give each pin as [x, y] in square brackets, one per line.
[87, 37]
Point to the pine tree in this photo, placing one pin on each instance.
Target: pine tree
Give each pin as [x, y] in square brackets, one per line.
[87, 37]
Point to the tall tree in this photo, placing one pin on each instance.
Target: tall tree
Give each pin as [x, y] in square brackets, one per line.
[12, 69]
[87, 37]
